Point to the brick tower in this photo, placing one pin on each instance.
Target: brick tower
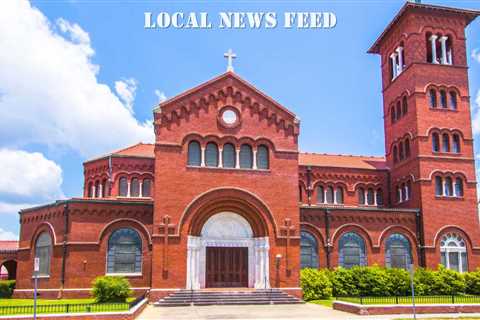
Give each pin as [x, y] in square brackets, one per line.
[428, 133]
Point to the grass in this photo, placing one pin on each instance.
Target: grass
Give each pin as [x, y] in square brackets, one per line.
[323, 302]
[418, 300]
[25, 306]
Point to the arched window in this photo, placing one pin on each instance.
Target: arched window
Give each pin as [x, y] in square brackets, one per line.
[104, 188]
[453, 100]
[339, 195]
[392, 114]
[409, 190]
[211, 155]
[435, 142]
[97, 189]
[229, 156]
[398, 253]
[123, 187]
[438, 186]
[308, 250]
[246, 156]
[458, 187]
[361, 195]
[399, 194]
[90, 190]
[456, 143]
[445, 143]
[146, 188]
[401, 151]
[329, 195]
[43, 251]
[395, 154]
[448, 187]
[300, 193]
[351, 249]
[124, 252]
[262, 157]
[432, 98]
[370, 197]
[320, 194]
[453, 252]
[407, 148]
[194, 154]
[134, 188]
[399, 110]
[404, 105]
[379, 197]
[404, 192]
[443, 99]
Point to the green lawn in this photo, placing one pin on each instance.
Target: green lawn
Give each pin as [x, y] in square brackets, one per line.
[325, 302]
[418, 300]
[25, 306]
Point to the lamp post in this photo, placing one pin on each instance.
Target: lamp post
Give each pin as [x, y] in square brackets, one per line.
[411, 268]
[36, 269]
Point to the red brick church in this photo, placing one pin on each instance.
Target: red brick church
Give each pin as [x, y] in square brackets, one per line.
[224, 198]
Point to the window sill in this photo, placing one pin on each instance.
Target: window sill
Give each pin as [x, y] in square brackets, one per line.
[444, 153]
[41, 277]
[135, 274]
[443, 109]
[229, 169]
[449, 198]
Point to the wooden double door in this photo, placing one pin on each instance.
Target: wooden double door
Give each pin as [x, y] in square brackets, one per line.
[226, 267]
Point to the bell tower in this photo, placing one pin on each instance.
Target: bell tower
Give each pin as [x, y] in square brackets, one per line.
[428, 132]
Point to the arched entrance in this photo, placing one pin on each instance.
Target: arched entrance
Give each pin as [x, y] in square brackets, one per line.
[8, 270]
[226, 254]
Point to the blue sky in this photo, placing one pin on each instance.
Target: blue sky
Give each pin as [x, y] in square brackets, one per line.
[81, 78]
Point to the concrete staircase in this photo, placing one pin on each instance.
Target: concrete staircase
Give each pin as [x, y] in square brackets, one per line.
[226, 297]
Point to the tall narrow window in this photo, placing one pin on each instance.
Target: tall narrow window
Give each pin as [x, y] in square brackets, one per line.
[300, 193]
[308, 251]
[407, 148]
[246, 156]
[392, 114]
[351, 250]
[399, 110]
[433, 98]
[262, 157]
[445, 142]
[229, 156]
[329, 195]
[409, 190]
[43, 251]
[104, 188]
[320, 194]
[448, 187]
[401, 151]
[404, 192]
[438, 186]
[123, 187]
[435, 142]
[399, 194]
[370, 197]
[134, 188]
[453, 252]
[404, 105]
[124, 252]
[146, 188]
[339, 195]
[456, 143]
[443, 99]
[361, 196]
[458, 187]
[97, 189]
[90, 190]
[379, 197]
[395, 154]
[211, 155]
[398, 253]
[194, 154]
[453, 100]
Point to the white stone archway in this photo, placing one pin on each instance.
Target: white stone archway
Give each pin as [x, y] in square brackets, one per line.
[228, 229]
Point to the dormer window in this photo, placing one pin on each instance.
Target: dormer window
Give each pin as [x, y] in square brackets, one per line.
[397, 61]
[439, 49]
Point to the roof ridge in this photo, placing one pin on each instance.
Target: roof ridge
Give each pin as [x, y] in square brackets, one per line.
[341, 155]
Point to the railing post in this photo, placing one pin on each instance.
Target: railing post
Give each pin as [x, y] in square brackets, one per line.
[396, 299]
[68, 308]
[361, 300]
[453, 298]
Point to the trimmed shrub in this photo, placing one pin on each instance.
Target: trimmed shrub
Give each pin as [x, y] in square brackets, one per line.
[111, 289]
[343, 283]
[6, 288]
[472, 282]
[398, 282]
[371, 281]
[448, 282]
[424, 280]
[315, 284]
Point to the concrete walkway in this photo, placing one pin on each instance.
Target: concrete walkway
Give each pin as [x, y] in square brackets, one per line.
[250, 312]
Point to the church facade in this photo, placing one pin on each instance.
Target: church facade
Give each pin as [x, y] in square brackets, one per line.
[224, 198]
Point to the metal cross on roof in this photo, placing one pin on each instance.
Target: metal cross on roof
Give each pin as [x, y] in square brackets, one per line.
[230, 56]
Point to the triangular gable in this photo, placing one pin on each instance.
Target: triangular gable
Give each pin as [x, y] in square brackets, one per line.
[226, 87]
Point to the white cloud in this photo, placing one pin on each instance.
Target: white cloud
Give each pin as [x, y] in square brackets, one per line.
[126, 91]
[160, 95]
[14, 208]
[29, 175]
[476, 54]
[49, 91]
[7, 235]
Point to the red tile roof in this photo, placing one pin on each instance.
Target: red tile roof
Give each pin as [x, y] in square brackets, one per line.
[342, 161]
[137, 150]
[8, 245]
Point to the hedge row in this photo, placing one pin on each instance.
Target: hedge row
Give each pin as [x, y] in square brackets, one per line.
[6, 288]
[378, 281]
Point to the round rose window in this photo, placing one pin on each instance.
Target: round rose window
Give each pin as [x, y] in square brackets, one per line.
[229, 117]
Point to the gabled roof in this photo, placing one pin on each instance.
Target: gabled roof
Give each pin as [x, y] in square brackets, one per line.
[139, 150]
[8, 245]
[342, 161]
[470, 15]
